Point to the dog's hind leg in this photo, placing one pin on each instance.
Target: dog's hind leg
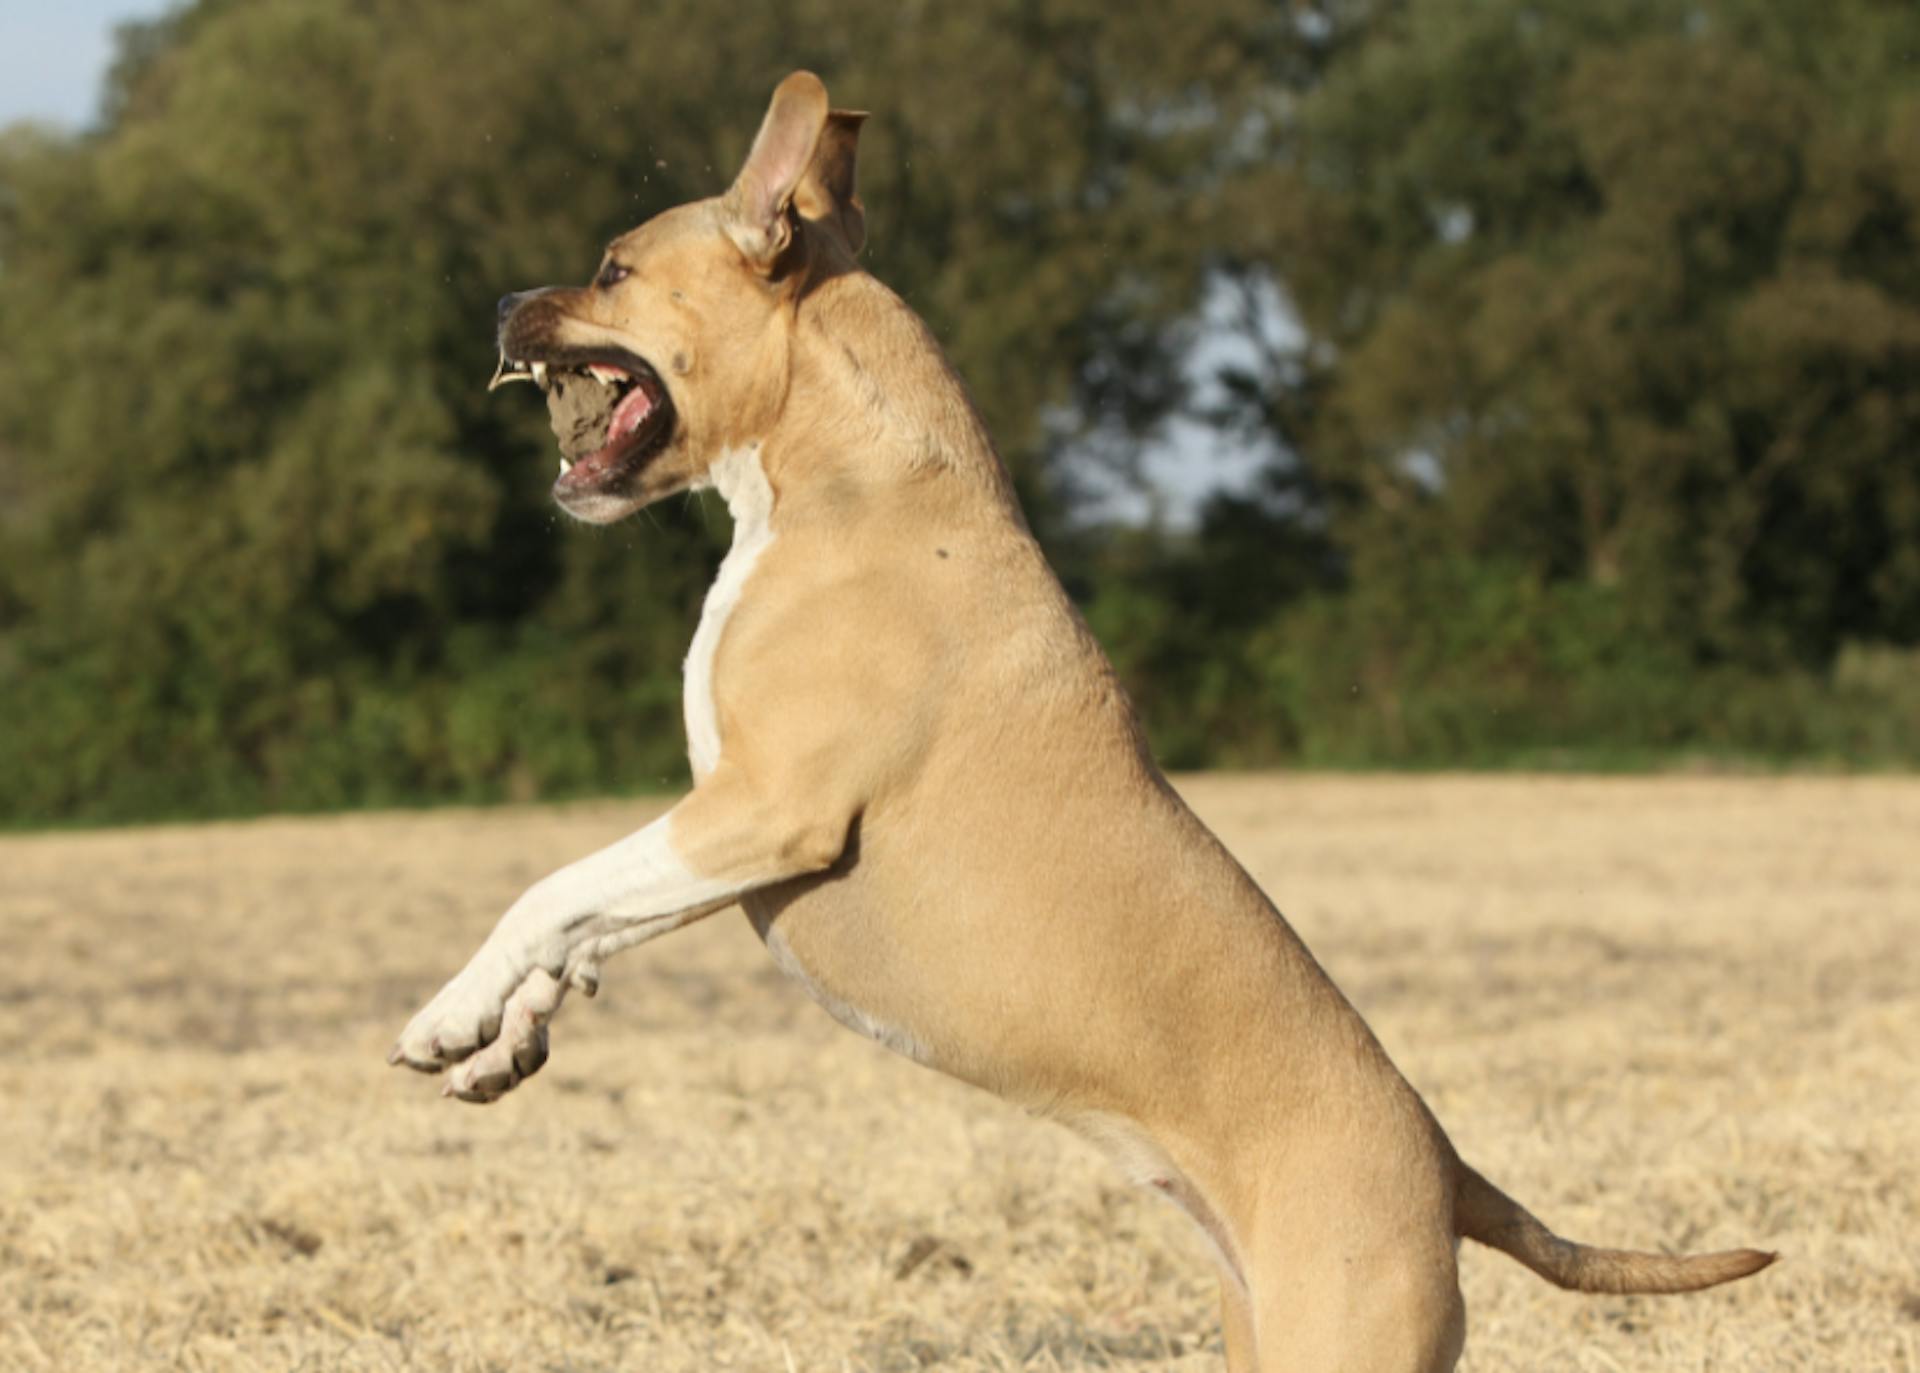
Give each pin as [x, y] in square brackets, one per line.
[1368, 1310]
[1371, 1314]
[1350, 1258]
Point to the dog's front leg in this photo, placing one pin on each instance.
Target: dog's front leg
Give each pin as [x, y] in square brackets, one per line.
[723, 840]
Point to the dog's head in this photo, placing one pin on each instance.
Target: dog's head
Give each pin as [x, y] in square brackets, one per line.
[680, 347]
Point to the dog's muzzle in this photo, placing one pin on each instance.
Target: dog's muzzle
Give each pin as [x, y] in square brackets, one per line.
[609, 409]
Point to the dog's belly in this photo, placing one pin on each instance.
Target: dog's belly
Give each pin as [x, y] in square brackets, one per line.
[824, 938]
[885, 1032]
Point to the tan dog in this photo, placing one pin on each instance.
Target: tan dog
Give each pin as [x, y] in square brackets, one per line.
[915, 770]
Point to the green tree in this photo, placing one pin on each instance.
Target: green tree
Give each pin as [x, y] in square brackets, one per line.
[1584, 403]
[271, 543]
[1624, 294]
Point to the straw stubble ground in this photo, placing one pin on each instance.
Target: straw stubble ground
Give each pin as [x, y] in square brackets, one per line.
[1676, 1012]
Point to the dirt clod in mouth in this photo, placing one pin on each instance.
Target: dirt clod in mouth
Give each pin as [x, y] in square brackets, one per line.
[580, 407]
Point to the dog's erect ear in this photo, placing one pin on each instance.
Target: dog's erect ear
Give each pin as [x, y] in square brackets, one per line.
[826, 193]
[755, 209]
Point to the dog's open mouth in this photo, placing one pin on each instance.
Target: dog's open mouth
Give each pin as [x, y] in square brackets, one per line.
[609, 410]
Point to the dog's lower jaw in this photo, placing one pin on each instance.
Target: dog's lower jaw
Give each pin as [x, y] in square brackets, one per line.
[628, 482]
[598, 507]
[604, 504]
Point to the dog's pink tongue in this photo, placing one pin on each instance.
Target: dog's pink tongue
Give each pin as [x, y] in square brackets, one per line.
[627, 416]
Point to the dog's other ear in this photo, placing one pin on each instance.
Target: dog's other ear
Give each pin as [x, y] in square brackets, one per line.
[826, 194]
[754, 210]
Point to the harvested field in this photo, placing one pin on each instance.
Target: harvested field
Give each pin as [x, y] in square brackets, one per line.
[1680, 1012]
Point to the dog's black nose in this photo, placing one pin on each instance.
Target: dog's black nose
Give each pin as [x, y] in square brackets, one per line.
[508, 302]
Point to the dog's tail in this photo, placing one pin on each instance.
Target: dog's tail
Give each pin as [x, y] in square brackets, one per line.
[1483, 1212]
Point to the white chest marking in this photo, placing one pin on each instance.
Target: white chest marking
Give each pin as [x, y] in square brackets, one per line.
[738, 477]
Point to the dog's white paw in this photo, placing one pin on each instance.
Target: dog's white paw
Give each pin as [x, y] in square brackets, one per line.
[519, 1049]
[462, 1017]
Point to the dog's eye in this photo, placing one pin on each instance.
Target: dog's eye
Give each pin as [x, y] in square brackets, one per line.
[610, 275]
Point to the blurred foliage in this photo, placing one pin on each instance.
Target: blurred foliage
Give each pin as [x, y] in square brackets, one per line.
[1607, 319]
[1587, 435]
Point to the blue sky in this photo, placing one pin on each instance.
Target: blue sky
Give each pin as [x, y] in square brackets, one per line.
[52, 55]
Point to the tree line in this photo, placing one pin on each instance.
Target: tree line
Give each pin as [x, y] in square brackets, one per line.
[1571, 345]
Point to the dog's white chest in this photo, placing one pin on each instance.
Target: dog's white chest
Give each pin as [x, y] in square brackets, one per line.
[738, 477]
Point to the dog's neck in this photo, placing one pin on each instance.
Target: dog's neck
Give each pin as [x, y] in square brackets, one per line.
[873, 403]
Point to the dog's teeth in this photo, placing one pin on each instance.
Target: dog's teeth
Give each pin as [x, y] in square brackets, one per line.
[565, 467]
[539, 374]
[612, 376]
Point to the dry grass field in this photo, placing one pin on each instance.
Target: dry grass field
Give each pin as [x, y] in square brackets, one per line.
[1675, 1012]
